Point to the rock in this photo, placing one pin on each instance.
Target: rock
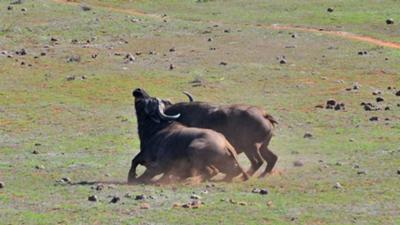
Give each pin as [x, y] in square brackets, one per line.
[129, 58]
[172, 49]
[24, 10]
[176, 205]
[376, 92]
[42, 53]
[319, 106]
[242, 203]
[99, 187]
[282, 61]
[145, 206]
[128, 195]
[209, 39]
[40, 167]
[269, 204]
[86, 8]
[21, 52]
[53, 39]
[338, 164]
[9, 7]
[227, 31]
[339, 107]
[223, 63]
[35, 152]
[171, 66]
[194, 196]
[115, 199]
[398, 173]
[374, 118]
[361, 172]
[255, 190]
[16, 2]
[195, 204]
[264, 191]
[66, 179]
[338, 185]
[389, 21]
[2, 185]
[307, 135]
[210, 185]
[356, 86]
[387, 108]
[330, 103]
[397, 93]
[140, 197]
[92, 198]
[356, 166]
[294, 36]
[74, 58]
[70, 78]
[380, 99]
[298, 163]
[330, 9]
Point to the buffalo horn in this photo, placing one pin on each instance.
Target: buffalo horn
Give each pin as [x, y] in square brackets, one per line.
[163, 115]
[189, 96]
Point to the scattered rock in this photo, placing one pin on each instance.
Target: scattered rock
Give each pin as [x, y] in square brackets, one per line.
[24, 10]
[380, 99]
[194, 196]
[356, 86]
[264, 191]
[52, 39]
[209, 39]
[129, 58]
[42, 53]
[40, 167]
[389, 21]
[223, 63]
[298, 163]
[338, 164]
[294, 35]
[92, 198]
[307, 135]
[171, 66]
[356, 166]
[140, 197]
[70, 78]
[330, 104]
[374, 118]
[282, 61]
[35, 152]
[74, 58]
[269, 204]
[330, 9]
[362, 53]
[172, 49]
[66, 180]
[212, 49]
[227, 31]
[99, 187]
[256, 190]
[176, 205]
[397, 93]
[338, 185]
[9, 7]
[242, 203]
[398, 173]
[2, 185]
[376, 92]
[115, 199]
[86, 8]
[361, 172]
[21, 52]
[145, 206]
[387, 108]
[319, 106]
[339, 106]
[16, 2]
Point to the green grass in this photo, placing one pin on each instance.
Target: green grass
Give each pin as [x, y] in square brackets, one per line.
[85, 129]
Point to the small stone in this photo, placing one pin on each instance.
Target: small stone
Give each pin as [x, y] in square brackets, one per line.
[338, 164]
[356, 86]
[115, 199]
[70, 78]
[389, 21]
[374, 118]
[282, 61]
[176, 205]
[264, 191]
[2, 185]
[319, 106]
[35, 152]
[128, 195]
[42, 53]
[129, 57]
[242, 203]
[227, 31]
[298, 163]
[66, 179]
[74, 58]
[194, 196]
[269, 203]
[397, 93]
[209, 39]
[356, 166]
[255, 190]
[92, 198]
[21, 52]
[186, 206]
[307, 135]
[140, 197]
[172, 49]
[387, 108]
[361, 172]
[338, 185]
[330, 9]
[24, 10]
[294, 36]
[195, 204]
[40, 167]
[145, 206]
[86, 8]
[223, 63]
[99, 187]
[398, 173]
[16, 2]
[380, 99]
[53, 39]
[376, 92]
[9, 7]
[330, 103]
[171, 66]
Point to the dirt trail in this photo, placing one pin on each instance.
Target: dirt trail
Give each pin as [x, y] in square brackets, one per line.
[342, 34]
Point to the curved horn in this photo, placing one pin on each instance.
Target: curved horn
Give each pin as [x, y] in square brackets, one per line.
[189, 96]
[163, 115]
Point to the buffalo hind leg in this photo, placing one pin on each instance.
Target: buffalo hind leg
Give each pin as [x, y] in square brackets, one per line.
[269, 156]
[255, 158]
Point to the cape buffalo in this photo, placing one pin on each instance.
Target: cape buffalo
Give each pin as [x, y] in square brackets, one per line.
[168, 147]
[247, 128]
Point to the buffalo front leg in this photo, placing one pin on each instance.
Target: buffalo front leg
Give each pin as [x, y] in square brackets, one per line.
[132, 172]
[255, 158]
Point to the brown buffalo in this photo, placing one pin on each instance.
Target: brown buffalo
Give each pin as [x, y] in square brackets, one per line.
[247, 128]
[168, 147]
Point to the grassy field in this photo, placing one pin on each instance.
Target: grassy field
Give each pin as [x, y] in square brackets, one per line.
[66, 109]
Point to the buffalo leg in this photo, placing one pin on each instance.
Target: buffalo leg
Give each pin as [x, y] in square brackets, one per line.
[255, 159]
[132, 172]
[269, 156]
[147, 176]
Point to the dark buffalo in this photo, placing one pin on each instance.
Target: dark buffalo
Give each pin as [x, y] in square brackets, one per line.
[247, 128]
[167, 147]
